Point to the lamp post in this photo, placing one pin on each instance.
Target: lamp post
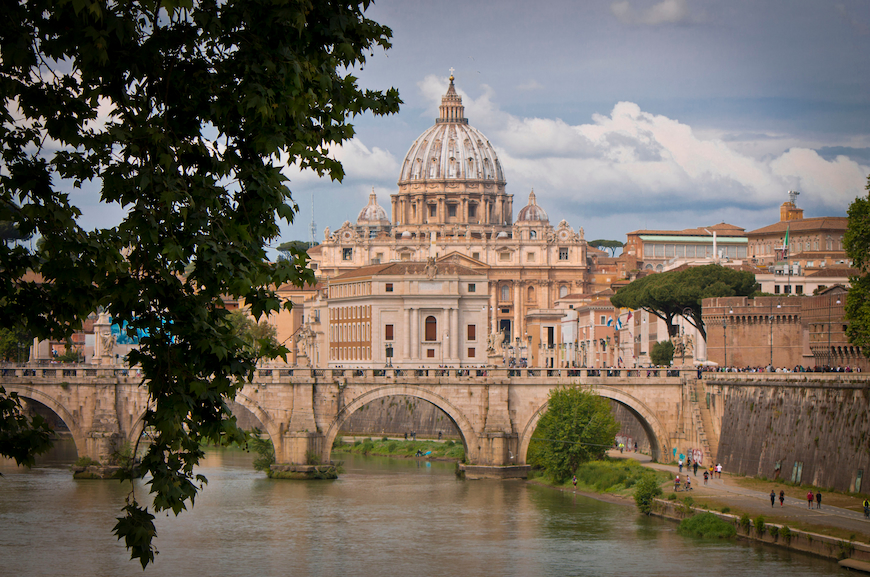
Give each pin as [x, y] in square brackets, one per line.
[778, 305]
[725, 334]
[830, 353]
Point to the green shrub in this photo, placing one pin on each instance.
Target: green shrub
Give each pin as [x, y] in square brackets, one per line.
[265, 453]
[357, 442]
[312, 458]
[726, 509]
[774, 531]
[338, 442]
[706, 525]
[785, 532]
[85, 462]
[392, 446]
[745, 523]
[672, 497]
[645, 492]
[759, 525]
[385, 439]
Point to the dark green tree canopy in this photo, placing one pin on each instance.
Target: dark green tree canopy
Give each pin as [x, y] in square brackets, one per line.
[293, 249]
[680, 292]
[183, 113]
[577, 427]
[611, 245]
[662, 353]
[856, 241]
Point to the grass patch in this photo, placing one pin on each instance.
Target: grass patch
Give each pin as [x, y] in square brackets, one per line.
[706, 525]
[394, 448]
[613, 476]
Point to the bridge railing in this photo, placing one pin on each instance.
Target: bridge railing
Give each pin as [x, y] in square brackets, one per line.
[87, 373]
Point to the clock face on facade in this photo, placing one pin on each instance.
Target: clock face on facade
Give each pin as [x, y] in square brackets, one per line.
[346, 236]
[563, 235]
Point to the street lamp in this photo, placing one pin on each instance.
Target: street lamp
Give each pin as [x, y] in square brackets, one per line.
[830, 353]
[388, 351]
[778, 305]
[725, 334]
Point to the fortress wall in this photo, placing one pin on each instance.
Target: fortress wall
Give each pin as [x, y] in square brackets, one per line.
[817, 435]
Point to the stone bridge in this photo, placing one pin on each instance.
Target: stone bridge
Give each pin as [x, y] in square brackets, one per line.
[302, 410]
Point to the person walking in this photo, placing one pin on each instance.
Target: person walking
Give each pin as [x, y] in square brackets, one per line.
[574, 480]
[695, 468]
[818, 499]
[719, 470]
[677, 484]
[781, 498]
[772, 497]
[681, 465]
[706, 475]
[810, 500]
[866, 508]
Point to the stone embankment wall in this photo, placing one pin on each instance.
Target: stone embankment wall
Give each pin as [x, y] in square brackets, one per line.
[397, 415]
[805, 432]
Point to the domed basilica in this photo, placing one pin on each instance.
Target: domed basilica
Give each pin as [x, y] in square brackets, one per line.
[452, 208]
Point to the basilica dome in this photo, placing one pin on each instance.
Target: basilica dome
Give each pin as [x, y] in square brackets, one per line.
[532, 212]
[451, 150]
[372, 214]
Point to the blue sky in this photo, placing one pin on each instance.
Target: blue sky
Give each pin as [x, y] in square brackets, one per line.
[624, 114]
[628, 114]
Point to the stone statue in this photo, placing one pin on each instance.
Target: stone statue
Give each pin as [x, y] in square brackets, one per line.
[581, 233]
[305, 346]
[326, 234]
[108, 342]
[690, 346]
[431, 268]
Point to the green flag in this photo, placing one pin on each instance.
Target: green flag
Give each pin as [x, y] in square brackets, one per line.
[785, 244]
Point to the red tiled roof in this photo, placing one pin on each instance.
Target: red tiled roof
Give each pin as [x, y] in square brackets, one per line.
[837, 223]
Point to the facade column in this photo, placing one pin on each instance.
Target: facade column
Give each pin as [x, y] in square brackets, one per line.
[454, 331]
[414, 335]
[394, 210]
[493, 306]
[518, 305]
[499, 213]
[406, 353]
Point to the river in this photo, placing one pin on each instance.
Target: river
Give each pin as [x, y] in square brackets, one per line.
[381, 517]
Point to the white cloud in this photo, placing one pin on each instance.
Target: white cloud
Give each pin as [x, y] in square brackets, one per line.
[665, 12]
[530, 85]
[361, 164]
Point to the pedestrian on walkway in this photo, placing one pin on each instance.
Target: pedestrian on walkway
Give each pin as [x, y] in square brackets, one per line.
[866, 508]
[574, 480]
[810, 500]
[719, 470]
[818, 499]
[712, 471]
[772, 497]
[677, 484]
[695, 467]
[706, 474]
[781, 498]
[681, 465]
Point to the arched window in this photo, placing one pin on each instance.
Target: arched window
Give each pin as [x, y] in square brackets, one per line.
[563, 291]
[531, 293]
[431, 329]
[505, 292]
[533, 234]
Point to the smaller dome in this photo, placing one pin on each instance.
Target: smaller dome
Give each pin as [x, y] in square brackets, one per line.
[372, 213]
[532, 212]
[502, 234]
[406, 234]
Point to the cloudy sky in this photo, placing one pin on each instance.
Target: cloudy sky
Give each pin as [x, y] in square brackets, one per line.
[626, 114]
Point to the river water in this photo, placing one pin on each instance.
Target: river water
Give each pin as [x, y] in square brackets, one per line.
[381, 517]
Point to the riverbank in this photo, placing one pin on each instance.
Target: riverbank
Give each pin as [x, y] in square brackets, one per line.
[400, 449]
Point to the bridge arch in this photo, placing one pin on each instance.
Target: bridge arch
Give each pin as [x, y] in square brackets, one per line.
[655, 432]
[35, 394]
[466, 431]
[272, 429]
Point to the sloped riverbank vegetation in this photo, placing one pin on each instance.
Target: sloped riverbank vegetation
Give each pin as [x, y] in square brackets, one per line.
[385, 447]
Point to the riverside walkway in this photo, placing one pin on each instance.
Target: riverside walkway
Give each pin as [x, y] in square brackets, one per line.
[727, 491]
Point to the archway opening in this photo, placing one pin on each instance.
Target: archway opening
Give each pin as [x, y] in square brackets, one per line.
[632, 433]
[395, 418]
[63, 448]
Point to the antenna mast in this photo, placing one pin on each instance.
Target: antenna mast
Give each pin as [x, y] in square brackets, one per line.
[312, 228]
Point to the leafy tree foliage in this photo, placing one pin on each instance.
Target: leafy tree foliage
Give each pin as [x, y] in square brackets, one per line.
[294, 249]
[662, 353]
[15, 344]
[856, 241]
[680, 292]
[645, 492]
[256, 336]
[577, 427]
[182, 112]
[611, 245]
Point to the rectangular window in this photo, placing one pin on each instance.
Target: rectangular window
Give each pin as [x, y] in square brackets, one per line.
[472, 332]
[601, 320]
[563, 254]
[787, 289]
[504, 256]
[388, 332]
[648, 250]
[472, 287]
[451, 210]
[388, 287]
[471, 352]
[347, 253]
[432, 209]
[776, 289]
[472, 210]
[669, 250]
[799, 289]
[530, 257]
[430, 353]
[475, 255]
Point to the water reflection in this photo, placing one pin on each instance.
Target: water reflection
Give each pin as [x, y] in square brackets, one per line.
[383, 516]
